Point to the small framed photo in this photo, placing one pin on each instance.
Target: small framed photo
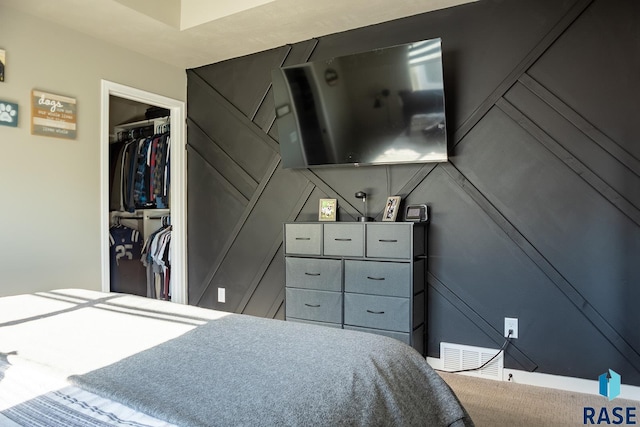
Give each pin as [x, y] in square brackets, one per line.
[391, 208]
[327, 209]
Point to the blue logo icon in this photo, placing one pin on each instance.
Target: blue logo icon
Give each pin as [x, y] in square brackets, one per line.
[609, 384]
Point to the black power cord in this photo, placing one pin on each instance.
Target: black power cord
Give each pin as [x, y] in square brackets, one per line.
[502, 349]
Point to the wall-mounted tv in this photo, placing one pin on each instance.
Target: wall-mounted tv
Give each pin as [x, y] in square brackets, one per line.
[384, 106]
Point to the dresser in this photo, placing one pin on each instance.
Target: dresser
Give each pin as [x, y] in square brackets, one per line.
[362, 276]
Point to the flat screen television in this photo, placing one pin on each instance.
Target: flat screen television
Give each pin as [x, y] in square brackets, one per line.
[385, 106]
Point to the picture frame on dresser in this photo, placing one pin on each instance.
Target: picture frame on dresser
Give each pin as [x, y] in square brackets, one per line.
[327, 209]
[391, 208]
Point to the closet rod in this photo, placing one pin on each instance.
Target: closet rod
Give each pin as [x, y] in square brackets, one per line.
[159, 216]
[141, 217]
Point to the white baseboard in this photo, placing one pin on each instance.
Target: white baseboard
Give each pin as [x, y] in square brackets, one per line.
[577, 385]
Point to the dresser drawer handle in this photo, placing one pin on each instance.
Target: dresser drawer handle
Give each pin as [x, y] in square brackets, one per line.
[312, 274]
[388, 240]
[342, 240]
[375, 278]
[303, 238]
[312, 305]
[375, 312]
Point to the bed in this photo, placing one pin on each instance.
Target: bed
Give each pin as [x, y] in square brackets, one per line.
[83, 358]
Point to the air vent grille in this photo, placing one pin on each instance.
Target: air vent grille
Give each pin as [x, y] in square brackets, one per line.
[457, 357]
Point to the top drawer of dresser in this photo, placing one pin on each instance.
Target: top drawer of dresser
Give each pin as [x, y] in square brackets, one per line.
[344, 240]
[389, 241]
[304, 239]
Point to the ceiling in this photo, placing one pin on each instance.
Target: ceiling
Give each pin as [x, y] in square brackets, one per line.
[192, 33]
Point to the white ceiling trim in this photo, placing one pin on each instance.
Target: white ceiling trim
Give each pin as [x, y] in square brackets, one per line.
[166, 11]
[236, 28]
[197, 12]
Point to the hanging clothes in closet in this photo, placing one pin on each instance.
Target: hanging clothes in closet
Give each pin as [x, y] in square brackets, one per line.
[156, 257]
[139, 169]
[125, 252]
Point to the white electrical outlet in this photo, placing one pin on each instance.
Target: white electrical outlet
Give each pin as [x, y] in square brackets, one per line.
[221, 295]
[511, 323]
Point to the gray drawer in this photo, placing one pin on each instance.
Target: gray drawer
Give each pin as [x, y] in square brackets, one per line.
[305, 239]
[321, 306]
[401, 336]
[344, 239]
[389, 241]
[379, 278]
[372, 311]
[314, 273]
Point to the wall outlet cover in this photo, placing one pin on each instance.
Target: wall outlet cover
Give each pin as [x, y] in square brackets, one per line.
[511, 323]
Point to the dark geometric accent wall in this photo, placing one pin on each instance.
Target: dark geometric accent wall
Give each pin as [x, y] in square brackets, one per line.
[535, 216]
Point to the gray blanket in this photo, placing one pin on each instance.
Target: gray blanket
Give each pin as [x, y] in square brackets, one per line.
[245, 371]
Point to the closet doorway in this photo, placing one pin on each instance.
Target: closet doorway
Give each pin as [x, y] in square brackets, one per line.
[177, 199]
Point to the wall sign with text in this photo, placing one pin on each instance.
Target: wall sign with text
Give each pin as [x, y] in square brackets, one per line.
[53, 115]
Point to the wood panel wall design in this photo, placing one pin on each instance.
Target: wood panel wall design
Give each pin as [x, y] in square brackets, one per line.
[535, 216]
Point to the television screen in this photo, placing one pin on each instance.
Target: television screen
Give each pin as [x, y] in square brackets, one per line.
[385, 106]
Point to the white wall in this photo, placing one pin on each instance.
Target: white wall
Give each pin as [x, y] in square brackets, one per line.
[50, 188]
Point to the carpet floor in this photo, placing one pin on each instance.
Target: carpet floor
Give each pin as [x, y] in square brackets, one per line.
[493, 403]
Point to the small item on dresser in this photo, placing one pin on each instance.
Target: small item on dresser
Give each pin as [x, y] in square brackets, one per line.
[416, 213]
[327, 209]
[391, 208]
[364, 218]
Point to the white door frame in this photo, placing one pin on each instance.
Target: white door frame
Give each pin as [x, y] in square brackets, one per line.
[178, 196]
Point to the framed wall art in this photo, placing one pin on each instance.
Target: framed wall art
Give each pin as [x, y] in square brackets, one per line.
[3, 63]
[53, 115]
[8, 114]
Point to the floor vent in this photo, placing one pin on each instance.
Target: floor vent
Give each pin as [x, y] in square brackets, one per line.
[457, 357]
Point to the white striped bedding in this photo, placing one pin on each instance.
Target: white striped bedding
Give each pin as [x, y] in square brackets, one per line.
[32, 397]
